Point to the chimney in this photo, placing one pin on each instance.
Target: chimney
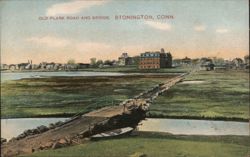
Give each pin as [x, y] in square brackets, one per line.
[162, 50]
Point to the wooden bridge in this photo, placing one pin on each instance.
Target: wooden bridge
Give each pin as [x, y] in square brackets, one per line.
[127, 114]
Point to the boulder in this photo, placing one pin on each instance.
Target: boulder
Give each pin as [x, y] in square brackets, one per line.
[51, 126]
[12, 139]
[34, 131]
[57, 145]
[20, 136]
[63, 141]
[58, 123]
[48, 145]
[42, 128]
[69, 141]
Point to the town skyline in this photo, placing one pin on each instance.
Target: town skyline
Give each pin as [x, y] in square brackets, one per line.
[88, 61]
[200, 29]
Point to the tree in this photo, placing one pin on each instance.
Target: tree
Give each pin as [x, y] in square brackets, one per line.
[99, 62]
[135, 60]
[92, 61]
[71, 62]
[218, 61]
[108, 62]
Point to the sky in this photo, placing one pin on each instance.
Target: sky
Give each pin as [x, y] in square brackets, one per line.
[209, 28]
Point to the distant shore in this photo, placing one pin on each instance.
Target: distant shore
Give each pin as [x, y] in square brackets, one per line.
[125, 69]
[69, 115]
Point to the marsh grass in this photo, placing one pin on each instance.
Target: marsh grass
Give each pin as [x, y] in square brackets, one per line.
[66, 96]
[220, 95]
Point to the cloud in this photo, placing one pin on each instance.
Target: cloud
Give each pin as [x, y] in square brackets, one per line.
[49, 41]
[72, 7]
[92, 47]
[63, 47]
[158, 25]
[199, 28]
[222, 30]
[55, 42]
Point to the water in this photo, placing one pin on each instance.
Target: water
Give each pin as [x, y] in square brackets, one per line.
[195, 127]
[16, 76]
[13, 127]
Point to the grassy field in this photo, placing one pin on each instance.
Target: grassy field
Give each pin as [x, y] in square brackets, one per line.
[157, 145]
[66, 96]
[217, 96]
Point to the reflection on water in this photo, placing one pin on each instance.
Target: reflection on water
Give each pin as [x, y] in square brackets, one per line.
[17, 76]
[13, 127]
[195, 127]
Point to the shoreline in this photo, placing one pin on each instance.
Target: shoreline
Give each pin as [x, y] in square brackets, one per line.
[153, 142]
[110, 69]
[233, 119]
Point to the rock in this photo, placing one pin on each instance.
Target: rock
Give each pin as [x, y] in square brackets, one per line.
[20, 136]
[58, 123]
[27, 132]
[3, 140]
[63, 141]
[80, 136]
[41, 147]
[69, 141]
[42, 128]
[51, 126]
[34, 131]
[12, 139]
[48, 145]
[57, 145]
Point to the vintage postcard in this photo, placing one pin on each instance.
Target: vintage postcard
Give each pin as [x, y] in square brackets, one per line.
[125, 78]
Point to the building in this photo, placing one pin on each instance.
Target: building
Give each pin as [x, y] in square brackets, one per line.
[25, 66]
[82, 65]
[246, 60]
[13, 67]
[50, 66]
[176, 63]
[238, 63]
[155, 60]
[124, 59]
[35, 66]
[4, 67]
[207, 66]
[43, 65]
[186, 61]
